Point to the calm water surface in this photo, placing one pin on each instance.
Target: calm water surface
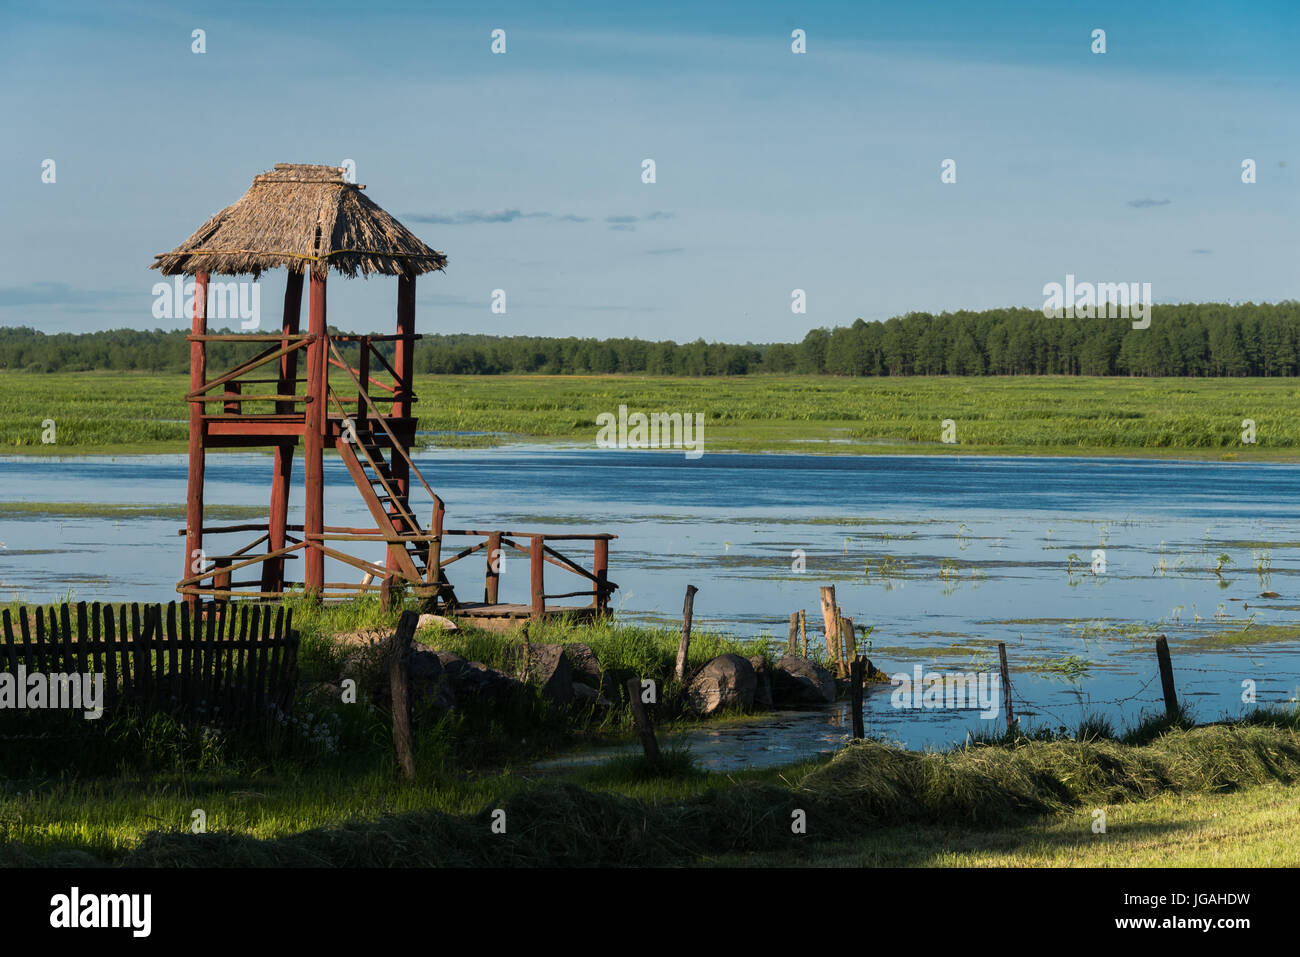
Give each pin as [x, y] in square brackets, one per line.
[942, 556]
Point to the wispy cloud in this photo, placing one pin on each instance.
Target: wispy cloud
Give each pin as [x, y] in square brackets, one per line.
[625, 223]
[1145, 203]
[471, 217]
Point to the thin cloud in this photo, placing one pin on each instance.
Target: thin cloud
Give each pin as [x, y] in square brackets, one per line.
[1146, 203]
[473, 217]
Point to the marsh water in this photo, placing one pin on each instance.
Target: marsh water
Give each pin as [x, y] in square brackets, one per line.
[942, 556]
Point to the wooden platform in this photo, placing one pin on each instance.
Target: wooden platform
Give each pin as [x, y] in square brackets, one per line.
[479, 610]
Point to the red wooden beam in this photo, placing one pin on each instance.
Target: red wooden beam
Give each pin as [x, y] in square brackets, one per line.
[282, 476]
[317, 377]
[537, 571]
[198, 372]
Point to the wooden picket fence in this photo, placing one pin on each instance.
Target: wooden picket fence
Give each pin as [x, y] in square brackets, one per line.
[230, 663]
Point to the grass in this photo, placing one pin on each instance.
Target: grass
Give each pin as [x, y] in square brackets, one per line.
[120, 511]
[321, 790]
[1021, 803]
[1252, 828]
[113, 412]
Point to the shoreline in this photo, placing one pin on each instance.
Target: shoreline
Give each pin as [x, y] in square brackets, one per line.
[815, 448]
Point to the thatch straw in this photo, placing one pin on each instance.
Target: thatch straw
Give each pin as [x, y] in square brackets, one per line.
[301, 217]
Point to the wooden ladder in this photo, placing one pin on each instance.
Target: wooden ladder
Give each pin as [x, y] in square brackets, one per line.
[390, 509]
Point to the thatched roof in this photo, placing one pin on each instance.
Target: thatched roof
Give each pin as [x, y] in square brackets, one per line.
[302, 216]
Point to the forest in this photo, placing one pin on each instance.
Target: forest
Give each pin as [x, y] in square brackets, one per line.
[1200, 339]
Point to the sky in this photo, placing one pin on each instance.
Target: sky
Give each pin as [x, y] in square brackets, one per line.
[775, 171]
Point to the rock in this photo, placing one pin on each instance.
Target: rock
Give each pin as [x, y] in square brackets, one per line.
[763, 690]
[589, 697]
[548, 665]
[587, 669]
[799, 682]
[430, 681]
[475, 680]
[426, 621]
[1269, 594]
[728, 681]
[874, 674]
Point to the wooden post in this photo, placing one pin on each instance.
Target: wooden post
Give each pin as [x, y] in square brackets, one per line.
[281, 477]
[232, 404]
[803, 631]
[828, 619]
[404, 366]
[528, 654]
[850, 638]
[857, 674]
[221, 580]
[198, 431]
[1006, 687]
[1167, 678]
[399, 653]
[536, 575]
[642, 719]
[600, 568]
[434, 569]
[404, 347]
[492, 579]
[684, 646]
[314, 439]
[792, 642]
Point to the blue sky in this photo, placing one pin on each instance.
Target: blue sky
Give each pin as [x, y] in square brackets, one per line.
[775, 171]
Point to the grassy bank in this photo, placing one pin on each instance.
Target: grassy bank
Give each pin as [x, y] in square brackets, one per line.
[1021, 415]
[321, 790]
[1211, 795]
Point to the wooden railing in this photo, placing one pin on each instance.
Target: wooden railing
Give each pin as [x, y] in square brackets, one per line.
[233, 396]
[539, 555]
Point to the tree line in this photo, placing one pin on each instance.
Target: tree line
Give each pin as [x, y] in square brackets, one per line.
[1206, 339]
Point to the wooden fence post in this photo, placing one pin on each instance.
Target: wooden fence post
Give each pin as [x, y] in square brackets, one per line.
[828, 619]
[536, 573]
[399, 652]
[1167, 678]
[1006, 687]
[792, 642]
[491, 582]
[684, 646]
[642, 719]
[857, 674]
[803, 631]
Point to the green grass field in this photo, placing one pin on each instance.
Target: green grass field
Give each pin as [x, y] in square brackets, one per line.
[113, 412]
